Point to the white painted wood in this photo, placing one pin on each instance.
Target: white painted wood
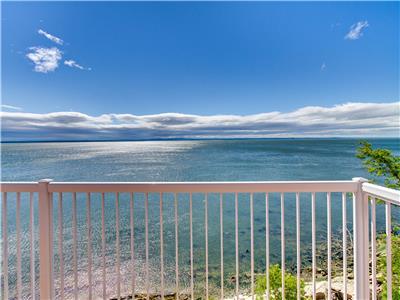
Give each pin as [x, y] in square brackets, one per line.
[103, 247]
[383, 193]
[5, 246]
[329, 239]
[74, 246]
[19, 258]
[221, 230]
[237, 245]
[373, 248]
[344, 234]
[191, 247]
[252, 244]
[117, 247]
[389, 250]
[206, 239]
[132, 223]
[176, 247]
[45, 241]
[267, 295]
[361, 242]
[146, 221]
[32, 245]
[161, 246]
[89, 244]
[283, 256]
[201, 187]
[313, 245]
[60, 244]
[298, 245]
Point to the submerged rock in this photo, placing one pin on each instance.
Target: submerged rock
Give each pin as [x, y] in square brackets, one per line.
[143, 296]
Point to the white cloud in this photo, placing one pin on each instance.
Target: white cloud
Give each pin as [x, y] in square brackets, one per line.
[45, 59]
[51, 37]
[350, 119]
[73, 64]
[10, 107]
[356, 30]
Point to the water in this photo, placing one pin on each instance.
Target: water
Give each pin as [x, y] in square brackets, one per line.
[231, 160]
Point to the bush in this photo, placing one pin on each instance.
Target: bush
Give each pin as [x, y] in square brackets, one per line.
[381, 264]
[275, 283]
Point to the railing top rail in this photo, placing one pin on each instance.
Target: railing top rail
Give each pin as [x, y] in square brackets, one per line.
[185, 187]
[383, 193]
[19, 187]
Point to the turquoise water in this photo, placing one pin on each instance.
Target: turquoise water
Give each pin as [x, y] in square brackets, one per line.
[230, 160]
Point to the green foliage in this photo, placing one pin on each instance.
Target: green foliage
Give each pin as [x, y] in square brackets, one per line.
[275, 281]
[381, 265]
[381, 163]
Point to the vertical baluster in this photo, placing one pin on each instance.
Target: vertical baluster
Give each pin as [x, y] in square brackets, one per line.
[74, 239]
[5, 246]
[344, 228]
[191, 247]
[60, 243]
[146, 222]
[19, 261]
[32, 244]
[162, 246]
[252, 244]
[373, 246]
[329, 238]
[267, 244]
[131, 207]
[118, 265]
[389, 250]
[221, 225]
[103, 247]
[314, 263]
[298, 244]
[206, 238]
[176, 248]
[89, 243]
[51, 248]
[237, 244]
[283, 243]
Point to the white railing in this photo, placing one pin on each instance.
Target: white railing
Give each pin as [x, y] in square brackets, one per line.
[15, 281]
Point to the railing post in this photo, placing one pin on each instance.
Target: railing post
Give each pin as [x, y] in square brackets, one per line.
[45, 240]
[361, 241]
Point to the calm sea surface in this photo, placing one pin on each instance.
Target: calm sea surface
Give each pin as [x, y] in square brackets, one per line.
[231, 160]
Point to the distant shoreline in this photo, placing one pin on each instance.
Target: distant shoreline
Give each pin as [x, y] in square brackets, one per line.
[198, 139]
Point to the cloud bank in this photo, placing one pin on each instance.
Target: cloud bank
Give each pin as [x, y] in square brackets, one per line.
[345, 120]
[356, 30]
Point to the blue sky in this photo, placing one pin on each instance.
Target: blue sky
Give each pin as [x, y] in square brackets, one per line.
[198, 58]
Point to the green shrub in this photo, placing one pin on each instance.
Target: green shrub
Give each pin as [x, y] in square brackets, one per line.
[381, 264]
[275, 282]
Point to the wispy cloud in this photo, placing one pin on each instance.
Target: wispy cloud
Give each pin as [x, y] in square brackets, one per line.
[356, 30]
[73, 64]
[10, 107]
[350, 119]
[45, 59]
[323, 67]
[51, 37]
